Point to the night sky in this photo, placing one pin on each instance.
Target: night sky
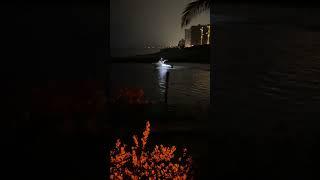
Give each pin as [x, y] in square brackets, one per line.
[135, 23]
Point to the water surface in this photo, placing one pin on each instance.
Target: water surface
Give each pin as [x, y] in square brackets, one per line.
[268, 63]
[188, 83]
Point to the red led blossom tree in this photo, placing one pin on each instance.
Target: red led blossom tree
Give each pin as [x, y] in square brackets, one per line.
[139, 163]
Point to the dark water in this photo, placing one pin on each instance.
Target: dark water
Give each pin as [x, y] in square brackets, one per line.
[188, 83]
[271, 73]
[262, 63]
[296, 79]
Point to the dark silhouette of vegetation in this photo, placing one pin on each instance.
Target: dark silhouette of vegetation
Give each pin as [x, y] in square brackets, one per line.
[193, 9]
[182, 44]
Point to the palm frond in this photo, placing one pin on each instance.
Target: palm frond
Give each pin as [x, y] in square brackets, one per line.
[193, 9]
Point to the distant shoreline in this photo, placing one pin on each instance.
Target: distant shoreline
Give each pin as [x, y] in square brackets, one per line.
[197, 54]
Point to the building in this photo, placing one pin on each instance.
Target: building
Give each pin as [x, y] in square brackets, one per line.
[187, 37]
[197, 35]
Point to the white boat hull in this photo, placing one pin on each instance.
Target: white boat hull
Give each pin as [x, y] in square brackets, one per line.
[162, 64]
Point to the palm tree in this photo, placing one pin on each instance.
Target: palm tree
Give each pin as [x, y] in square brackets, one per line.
[193, 9]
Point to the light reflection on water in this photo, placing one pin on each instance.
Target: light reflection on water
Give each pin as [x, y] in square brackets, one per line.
[188, 83]
[162, 74]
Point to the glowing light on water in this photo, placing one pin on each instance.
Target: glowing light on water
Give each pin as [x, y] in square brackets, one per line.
[163, 71]
[162, 79]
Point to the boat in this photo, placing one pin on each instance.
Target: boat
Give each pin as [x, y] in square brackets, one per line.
[161, 63]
